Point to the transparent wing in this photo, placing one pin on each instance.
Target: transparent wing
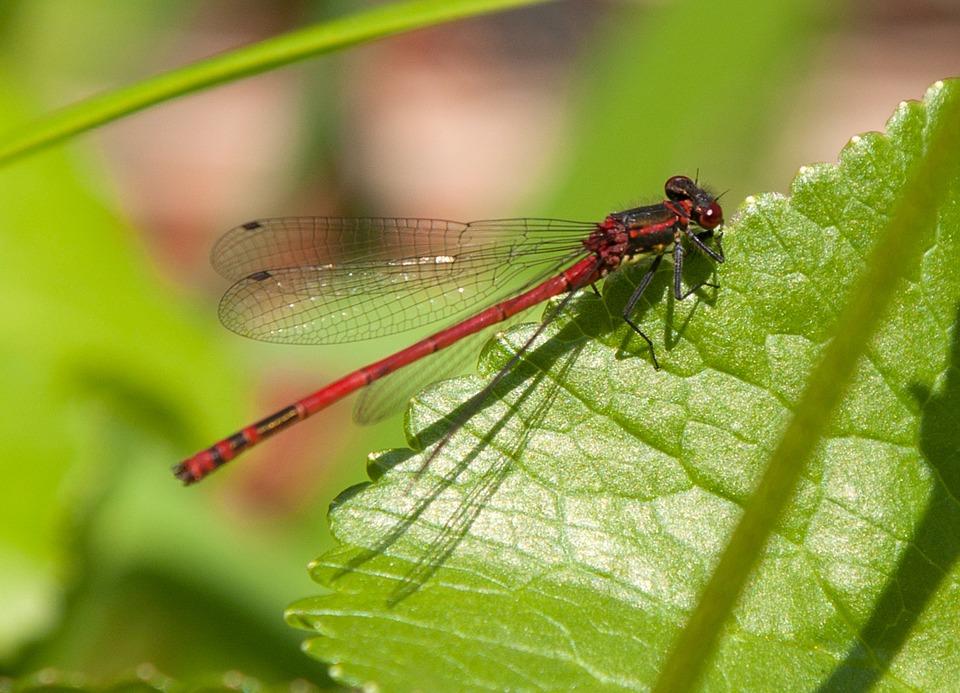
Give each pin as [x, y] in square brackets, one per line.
[317, 241]
[450, 270]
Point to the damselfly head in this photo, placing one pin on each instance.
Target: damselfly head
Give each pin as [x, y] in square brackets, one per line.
[703, 207]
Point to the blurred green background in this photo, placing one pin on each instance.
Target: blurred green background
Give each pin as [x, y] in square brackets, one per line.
[113, 366]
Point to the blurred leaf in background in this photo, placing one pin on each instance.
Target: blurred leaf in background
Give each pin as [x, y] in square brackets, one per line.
[108, 377]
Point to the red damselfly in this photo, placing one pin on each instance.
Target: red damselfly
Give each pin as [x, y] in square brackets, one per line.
[324, 280]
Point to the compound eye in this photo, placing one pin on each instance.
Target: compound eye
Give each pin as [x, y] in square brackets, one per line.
[678, 188]
[710, 217]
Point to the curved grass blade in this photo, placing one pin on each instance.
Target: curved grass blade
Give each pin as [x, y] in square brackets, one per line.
[380, 21]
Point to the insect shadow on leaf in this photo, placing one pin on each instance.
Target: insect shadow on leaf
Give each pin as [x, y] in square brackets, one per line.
[453, 531]
[696, 269]
[563, 347]
[566, 345]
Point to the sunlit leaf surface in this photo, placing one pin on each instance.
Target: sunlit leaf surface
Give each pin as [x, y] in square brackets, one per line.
[562, 536]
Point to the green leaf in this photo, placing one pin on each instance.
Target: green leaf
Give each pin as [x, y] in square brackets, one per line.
[89, 343]
[561, 539]
[108, 376]
[377, 22]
